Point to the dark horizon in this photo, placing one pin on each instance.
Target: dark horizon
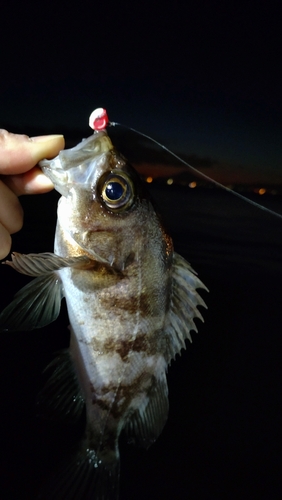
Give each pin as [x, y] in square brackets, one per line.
[203, 80]
[149, 157]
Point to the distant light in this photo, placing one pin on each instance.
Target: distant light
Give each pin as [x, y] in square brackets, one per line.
[261, 191]
[192, 184]
[149, 180]
[169, 181]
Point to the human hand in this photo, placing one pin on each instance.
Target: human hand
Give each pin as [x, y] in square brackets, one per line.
[19, 175]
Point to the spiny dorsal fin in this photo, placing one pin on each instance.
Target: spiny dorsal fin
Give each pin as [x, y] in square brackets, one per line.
[184, 306]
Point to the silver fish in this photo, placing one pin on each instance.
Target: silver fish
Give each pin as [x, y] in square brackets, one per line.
[131, 303]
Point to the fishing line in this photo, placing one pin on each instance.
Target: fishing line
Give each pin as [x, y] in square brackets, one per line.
[201, 174]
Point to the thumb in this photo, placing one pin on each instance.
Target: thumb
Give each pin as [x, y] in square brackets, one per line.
[20, 153]
[45, 146]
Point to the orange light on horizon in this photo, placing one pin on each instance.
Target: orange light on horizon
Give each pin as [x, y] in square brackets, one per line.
[261, 191]
[192, 184]
[149, 179]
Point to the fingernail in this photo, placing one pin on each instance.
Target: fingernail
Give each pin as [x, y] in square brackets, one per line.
[46, 146]
[45, 138]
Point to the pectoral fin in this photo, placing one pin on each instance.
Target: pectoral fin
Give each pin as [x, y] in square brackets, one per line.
[38, 264]
[34, 306]
[38, 303]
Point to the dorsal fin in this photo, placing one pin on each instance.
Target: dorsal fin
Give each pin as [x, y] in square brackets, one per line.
[184, 306]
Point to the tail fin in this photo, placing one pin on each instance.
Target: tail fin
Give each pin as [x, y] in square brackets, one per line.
[85, 478]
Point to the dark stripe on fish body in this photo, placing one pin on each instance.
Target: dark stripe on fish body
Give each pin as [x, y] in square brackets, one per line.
[142, 384]
[150, 344]
[124, 347]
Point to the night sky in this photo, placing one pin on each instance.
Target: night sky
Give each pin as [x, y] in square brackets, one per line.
[204, 78]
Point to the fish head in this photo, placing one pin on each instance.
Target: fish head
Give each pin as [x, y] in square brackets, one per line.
[104, 211]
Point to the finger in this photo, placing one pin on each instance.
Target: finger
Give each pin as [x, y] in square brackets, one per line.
[31, 182]
[11, 212]
[5, 242]
[20, 153]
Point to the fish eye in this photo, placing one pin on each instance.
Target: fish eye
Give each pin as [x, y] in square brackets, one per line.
[117, 191]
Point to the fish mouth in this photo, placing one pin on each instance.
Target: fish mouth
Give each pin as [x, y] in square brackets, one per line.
[77, 166]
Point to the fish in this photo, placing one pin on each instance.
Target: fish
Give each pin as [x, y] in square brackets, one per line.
[132, 302]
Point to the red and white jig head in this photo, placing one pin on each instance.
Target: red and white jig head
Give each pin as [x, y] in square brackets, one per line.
[98, 119]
